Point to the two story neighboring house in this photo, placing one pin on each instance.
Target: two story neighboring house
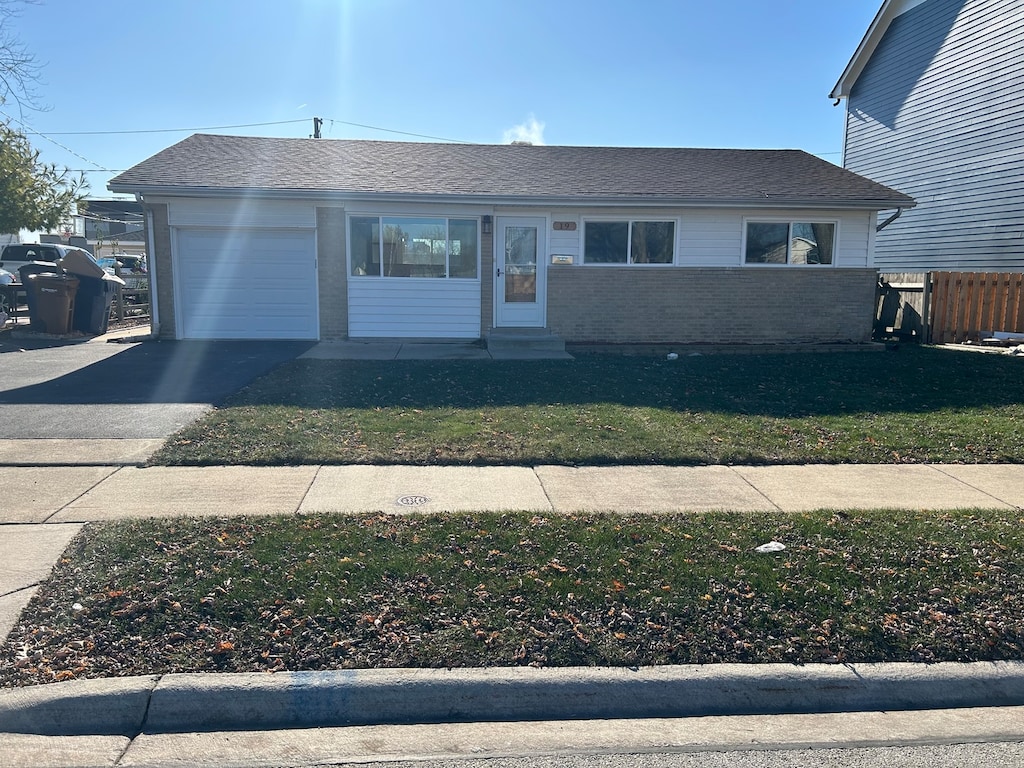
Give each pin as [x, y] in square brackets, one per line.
[933, 109]
[114, 226]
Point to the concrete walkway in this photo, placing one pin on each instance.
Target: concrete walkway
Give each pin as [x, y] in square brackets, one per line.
[44, 505]
[424, 350]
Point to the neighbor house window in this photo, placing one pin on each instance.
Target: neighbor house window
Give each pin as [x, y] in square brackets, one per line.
[413, 246]
[628, 242]
[790, 242]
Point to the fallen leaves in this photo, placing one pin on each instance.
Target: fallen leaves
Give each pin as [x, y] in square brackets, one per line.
[326, 592]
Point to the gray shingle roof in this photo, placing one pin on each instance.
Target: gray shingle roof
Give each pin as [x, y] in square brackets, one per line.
[487, 171]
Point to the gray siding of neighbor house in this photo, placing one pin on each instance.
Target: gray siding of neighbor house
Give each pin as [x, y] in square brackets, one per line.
[937, 114]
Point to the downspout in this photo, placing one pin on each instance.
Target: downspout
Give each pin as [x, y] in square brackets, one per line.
[890, 220]
[154, 303]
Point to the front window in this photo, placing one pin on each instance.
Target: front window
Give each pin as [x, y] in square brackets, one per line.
[629, 242]
[794, 242]
[409, 246]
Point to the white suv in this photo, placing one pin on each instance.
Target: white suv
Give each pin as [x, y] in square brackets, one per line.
[17, 254]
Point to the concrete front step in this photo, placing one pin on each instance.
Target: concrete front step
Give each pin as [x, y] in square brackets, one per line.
[535, 339]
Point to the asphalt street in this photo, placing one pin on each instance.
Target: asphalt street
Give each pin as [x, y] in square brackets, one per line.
[941, 756]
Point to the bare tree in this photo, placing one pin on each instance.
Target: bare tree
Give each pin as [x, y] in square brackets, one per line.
[33, 194]
[19, 68]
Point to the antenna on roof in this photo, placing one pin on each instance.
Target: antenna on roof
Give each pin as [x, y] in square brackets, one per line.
[317, 122]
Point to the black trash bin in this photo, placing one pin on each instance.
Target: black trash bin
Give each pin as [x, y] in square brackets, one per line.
[33, 268]
[92, 303]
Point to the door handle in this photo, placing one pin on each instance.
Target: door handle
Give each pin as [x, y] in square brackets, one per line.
[499, 271]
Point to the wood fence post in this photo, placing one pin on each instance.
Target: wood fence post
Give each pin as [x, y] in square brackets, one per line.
[926, 308]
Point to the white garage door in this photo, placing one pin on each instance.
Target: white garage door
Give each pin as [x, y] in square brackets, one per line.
[246, 284]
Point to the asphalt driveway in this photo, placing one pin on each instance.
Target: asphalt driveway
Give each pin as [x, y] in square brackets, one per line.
[138, 390]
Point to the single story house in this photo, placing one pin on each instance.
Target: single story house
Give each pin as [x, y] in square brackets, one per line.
[340, 239]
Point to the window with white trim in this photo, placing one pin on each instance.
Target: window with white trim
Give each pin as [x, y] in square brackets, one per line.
[413, 246]
[629, 241]
[790, 242]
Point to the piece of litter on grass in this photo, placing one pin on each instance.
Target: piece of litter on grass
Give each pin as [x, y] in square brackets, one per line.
[771, 546]
[77, 607]
[672, 356]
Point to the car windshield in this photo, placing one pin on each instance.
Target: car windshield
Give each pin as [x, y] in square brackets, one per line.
[29, 253]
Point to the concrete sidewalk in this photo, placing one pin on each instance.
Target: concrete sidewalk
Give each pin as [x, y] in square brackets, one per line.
[44, 506]
[88, 492]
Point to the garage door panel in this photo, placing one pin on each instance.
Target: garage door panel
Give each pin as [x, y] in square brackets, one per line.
[246, 284]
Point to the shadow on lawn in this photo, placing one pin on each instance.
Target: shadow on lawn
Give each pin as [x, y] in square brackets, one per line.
[913, 380]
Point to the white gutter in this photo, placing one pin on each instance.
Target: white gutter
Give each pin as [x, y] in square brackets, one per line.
[519, 200]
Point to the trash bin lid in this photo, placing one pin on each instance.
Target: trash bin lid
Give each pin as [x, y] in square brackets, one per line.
[81, 263]
[112, 279]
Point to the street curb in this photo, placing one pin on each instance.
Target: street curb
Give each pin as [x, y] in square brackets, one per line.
[178, 703]
[114, 706]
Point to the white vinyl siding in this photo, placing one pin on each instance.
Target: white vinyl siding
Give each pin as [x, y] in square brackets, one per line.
[708, 237]
[564, 242]
[224, 213]
[414, 308]
[245, 284]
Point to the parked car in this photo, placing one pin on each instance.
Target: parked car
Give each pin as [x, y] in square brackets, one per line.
[15, 255]
[131, 263]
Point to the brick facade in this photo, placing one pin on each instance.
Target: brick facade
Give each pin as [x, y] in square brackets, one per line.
[486, 283]
[332, 273]
[712, 305]
[161, 261]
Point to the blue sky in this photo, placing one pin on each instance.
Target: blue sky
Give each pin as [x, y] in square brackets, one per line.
[707, 73]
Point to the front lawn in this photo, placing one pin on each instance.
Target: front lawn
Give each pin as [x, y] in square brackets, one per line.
[330, 592]
[914, 405]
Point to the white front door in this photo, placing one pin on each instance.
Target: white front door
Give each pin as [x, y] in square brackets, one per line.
[520, 281]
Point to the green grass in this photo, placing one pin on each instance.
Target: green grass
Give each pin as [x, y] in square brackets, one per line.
[329, 592]
[915, 405]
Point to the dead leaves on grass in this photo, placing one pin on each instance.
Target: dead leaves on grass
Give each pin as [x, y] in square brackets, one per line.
[322, 592]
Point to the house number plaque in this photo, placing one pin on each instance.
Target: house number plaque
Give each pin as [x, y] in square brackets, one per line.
[567, 226]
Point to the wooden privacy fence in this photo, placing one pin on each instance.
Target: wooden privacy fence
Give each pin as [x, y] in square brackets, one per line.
[902, 306]
[969, 305]
[949, 307]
